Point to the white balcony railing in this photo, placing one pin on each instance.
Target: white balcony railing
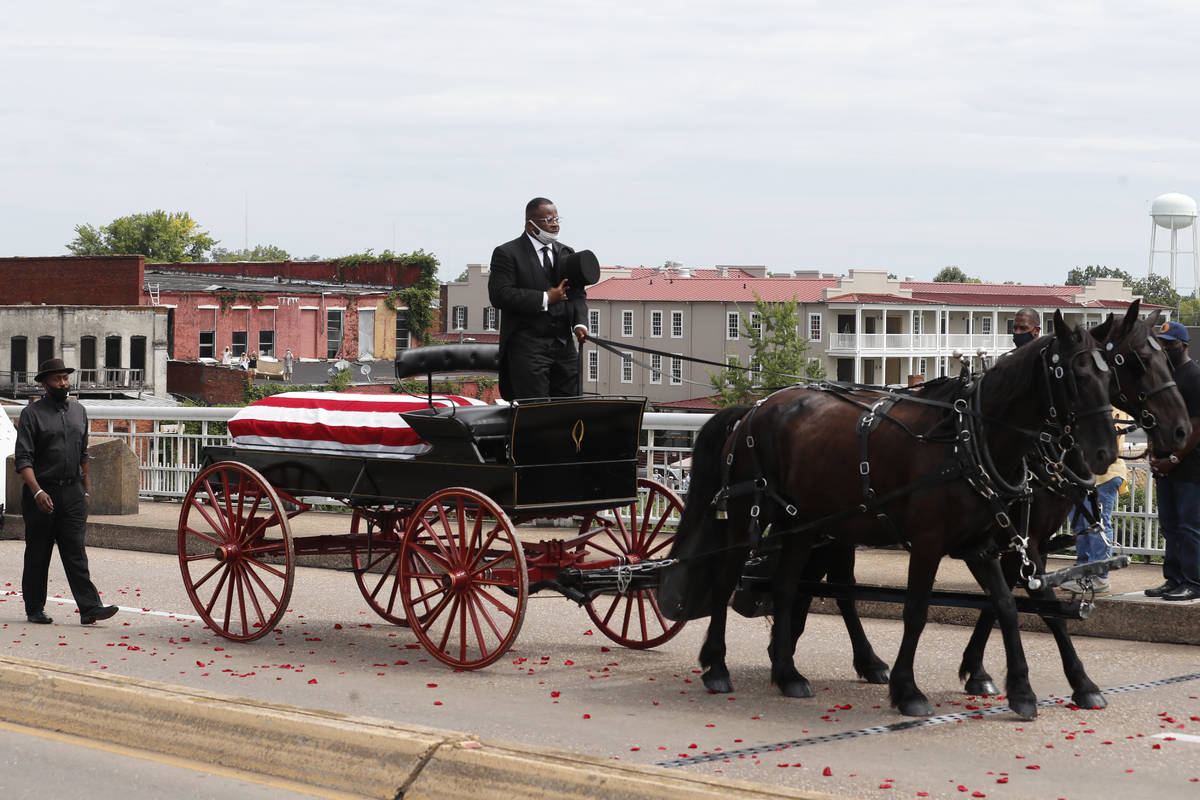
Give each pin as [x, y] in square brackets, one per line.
[169, 444]
[920, 343]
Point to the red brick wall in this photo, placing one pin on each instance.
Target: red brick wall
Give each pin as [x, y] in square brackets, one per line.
[208, 382]
[73, 280]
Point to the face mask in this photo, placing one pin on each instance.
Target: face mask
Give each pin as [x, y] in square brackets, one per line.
[1176, 355]
[58, 393]
[1023, 338]
[545, 237]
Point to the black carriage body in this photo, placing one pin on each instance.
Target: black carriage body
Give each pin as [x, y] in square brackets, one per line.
[541, 458]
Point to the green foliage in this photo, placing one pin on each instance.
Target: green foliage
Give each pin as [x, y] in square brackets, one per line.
[953, 274]
[157, 235]
[260, 252]
[229, 299]
[777, 350]
[1085, 276]
[257, 391]
[1153, 288]
[1189, 311]
[418, 298]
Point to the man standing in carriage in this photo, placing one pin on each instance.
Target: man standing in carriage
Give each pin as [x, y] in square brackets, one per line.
[543, 308]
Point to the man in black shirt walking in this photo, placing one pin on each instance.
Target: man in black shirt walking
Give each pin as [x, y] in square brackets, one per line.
[51, 458]
[1178, 481]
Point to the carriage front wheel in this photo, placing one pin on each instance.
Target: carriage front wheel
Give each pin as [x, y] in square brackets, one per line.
[633, 534]
[463, 580]
[235, 551]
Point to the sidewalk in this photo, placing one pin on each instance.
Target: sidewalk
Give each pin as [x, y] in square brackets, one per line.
[1126, 613]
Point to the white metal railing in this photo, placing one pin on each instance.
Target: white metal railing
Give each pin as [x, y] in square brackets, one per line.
[169, 444]
[920, 343]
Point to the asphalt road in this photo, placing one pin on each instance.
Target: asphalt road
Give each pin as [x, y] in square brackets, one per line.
[567, 687]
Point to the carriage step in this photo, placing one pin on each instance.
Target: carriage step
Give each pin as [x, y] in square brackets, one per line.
[1078, 571]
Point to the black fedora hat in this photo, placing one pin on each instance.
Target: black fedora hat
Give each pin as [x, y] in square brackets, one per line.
[50, 366]
[581, 269]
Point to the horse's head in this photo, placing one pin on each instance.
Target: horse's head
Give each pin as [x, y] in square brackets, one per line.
[1080, 381]
[1142, 383]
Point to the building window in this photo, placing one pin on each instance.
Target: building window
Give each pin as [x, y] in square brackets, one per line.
[922, 366]
[917, 318]
[985, 326]
[491, 318]
[45, 349]
[656, 324]
[755, 371]
[333, 332]
[594, 323]
[458, 317]
[627, 323]
[239, 343]
[676, 371]
[402, 334]
[112, 359]
[87, 359]
[18, 359]
[137, 358]
[676, 324]
[626, 367]
[593, 366]
[814, 327]
[733, 325]
[656, 368]
[266, 343]
[207, 347]
[756, 324]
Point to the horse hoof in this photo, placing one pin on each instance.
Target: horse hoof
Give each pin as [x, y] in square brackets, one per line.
[878, 676]
[1025, 709]
[981, 686]
[916, 707]
[800, 688]
[1089, 700]
[718, 685]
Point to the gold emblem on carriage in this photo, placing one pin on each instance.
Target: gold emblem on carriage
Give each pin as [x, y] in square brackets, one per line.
[577, 434]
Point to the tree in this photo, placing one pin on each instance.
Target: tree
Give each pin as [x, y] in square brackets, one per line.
[260, 252]
[1189, 311]
[1156, 289]
[157, 235]
[952, 274]
[1085, 276]
[778, 354]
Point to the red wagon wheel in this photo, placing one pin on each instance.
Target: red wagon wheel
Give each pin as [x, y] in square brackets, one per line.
[377, 568]
[463, 579]
[631, 534]
[231, 522]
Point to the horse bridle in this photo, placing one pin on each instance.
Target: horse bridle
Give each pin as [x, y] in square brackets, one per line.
[1137, 366]
[1063, 391]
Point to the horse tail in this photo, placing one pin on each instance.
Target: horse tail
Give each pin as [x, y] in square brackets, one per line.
[685, 590]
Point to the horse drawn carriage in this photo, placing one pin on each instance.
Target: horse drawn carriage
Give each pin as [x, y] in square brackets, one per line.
[433, 535]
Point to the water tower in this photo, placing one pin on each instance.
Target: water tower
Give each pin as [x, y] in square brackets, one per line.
[1175, 212]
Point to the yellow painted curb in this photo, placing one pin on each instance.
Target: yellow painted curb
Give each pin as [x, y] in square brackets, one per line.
[356, 755]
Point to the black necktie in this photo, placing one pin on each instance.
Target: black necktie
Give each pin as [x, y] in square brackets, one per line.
[547, 264]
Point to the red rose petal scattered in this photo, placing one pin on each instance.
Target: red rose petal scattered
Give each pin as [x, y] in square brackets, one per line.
[587, 716]
[827, 772]
[314, 680]
[1032, 766]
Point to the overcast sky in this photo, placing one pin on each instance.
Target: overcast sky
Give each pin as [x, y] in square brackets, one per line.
[1014, 139]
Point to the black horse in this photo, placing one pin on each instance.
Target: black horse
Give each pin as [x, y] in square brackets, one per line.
[943, 464]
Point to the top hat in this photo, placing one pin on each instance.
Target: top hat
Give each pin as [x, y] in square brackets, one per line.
[50, 366]
[581, 269]
[1173, 331]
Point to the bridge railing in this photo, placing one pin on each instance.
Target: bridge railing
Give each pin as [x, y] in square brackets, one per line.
[170, 442]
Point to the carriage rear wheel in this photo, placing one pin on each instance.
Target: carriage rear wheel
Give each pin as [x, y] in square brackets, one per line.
[463, 580]
[377, 567]
[636, 532]
[235, 551]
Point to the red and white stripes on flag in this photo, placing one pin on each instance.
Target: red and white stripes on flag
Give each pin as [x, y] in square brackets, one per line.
[336, 422]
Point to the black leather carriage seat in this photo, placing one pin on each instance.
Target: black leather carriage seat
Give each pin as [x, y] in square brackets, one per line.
[448, 358]
[478, 433]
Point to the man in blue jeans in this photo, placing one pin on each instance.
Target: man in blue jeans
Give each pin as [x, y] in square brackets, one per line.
[1178, 481]
[1096, 545]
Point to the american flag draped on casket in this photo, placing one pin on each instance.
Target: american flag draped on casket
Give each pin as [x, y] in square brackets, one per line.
[336, 422]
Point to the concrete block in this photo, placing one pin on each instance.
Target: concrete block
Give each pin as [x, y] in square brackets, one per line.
[112, 477]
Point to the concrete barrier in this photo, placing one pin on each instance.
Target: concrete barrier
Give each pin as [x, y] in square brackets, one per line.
[112, 478]
[367, 757]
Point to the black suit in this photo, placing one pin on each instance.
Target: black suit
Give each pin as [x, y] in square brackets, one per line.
[537, 348]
